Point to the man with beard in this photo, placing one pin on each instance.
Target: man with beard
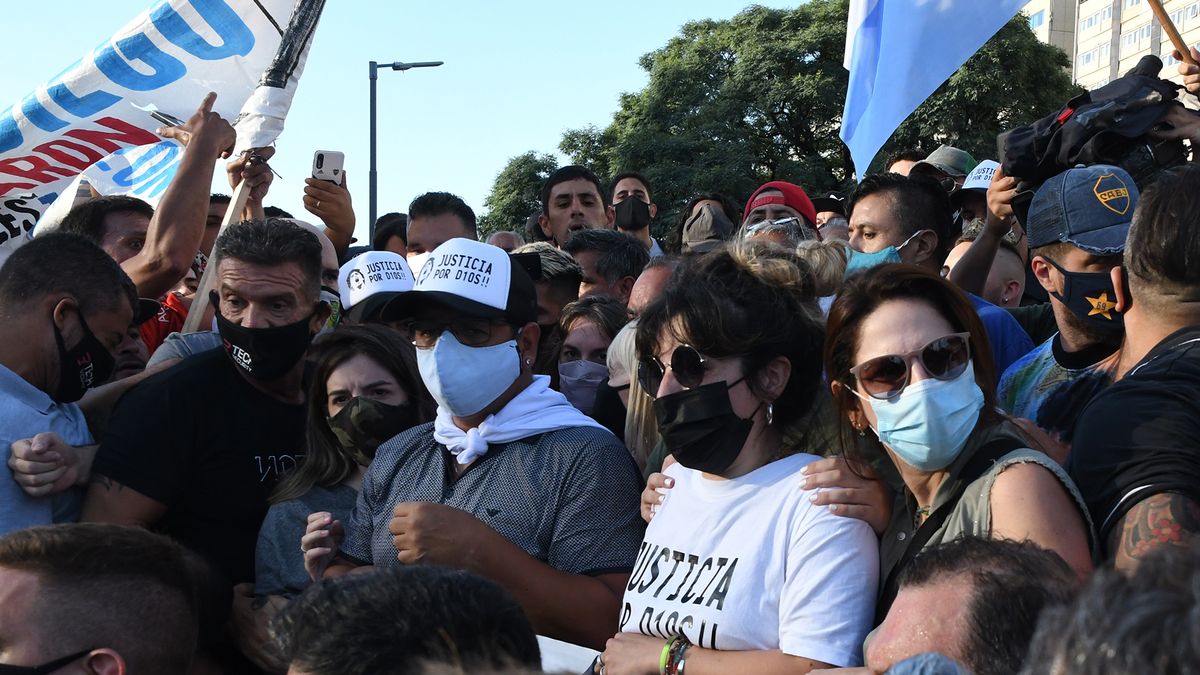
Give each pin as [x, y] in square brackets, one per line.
[1077, 225]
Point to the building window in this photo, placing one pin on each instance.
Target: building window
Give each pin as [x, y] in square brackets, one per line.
[1132, 3]
[1037, 20]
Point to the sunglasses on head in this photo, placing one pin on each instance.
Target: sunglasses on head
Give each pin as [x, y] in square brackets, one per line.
[884, 377]
[686, 363]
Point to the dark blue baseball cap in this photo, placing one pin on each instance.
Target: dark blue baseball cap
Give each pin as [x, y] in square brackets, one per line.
[1088, 206]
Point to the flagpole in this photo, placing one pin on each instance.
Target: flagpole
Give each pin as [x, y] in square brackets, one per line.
[1176, 39]
[198, 312]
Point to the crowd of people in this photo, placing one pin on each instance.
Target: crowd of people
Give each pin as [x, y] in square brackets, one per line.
[945, 423]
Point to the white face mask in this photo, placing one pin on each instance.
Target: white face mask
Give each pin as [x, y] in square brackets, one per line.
[465, 380]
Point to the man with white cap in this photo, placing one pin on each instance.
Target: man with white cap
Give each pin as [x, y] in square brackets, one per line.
[367, 282]
[510, 481]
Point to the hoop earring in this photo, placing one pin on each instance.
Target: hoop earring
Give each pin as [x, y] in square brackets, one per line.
[770, 413]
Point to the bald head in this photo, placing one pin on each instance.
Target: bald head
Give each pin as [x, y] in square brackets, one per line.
[329, 259]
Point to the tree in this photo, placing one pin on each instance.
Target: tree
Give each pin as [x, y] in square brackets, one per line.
[732, 104]
[516, 194]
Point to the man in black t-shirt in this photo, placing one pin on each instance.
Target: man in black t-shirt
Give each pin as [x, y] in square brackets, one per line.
[1136, 456]
[194, 451]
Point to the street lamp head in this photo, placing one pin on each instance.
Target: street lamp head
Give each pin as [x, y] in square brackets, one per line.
[400, 65]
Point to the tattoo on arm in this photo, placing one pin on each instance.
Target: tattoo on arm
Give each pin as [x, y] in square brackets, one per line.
[107, 483]
[1162, 519]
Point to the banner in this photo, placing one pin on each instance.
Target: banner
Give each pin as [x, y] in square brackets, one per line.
[899, 52]
[168, 57]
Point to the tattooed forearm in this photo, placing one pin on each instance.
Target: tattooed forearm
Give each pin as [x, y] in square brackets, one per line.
[1160, 520]
[107, 483]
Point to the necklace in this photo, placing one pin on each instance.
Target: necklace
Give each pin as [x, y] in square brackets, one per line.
[923, 513]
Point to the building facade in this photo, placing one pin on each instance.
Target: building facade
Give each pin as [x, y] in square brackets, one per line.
[1106, 38]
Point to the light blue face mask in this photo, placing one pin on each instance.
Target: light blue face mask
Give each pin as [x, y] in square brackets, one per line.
[465, 380]
[929, 423]
[860, 261]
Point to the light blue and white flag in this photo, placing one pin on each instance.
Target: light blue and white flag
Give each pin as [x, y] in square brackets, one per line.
[899, 52]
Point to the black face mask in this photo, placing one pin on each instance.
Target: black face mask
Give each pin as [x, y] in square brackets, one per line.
[364, 424]
[45, 668]
[632, 214]
[700, 428]
[1091, 297]
[263, 353]
[81, 367]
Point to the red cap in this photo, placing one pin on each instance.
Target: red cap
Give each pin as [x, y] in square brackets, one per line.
[793, 196]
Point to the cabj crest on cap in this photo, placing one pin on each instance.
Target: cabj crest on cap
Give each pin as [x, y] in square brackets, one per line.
[1090, 207]
[1113, 193]
[471, 277]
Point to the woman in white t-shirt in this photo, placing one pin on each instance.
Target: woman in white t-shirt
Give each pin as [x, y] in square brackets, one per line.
[739, 570]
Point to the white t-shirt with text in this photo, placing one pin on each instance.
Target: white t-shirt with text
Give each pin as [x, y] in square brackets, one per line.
[751, 564]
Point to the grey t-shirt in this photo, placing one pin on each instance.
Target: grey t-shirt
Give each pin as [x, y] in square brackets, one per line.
[183, 345]
[278, 562]
[569, 498]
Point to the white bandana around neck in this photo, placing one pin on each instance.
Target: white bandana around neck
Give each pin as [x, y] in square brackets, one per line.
[535, 410]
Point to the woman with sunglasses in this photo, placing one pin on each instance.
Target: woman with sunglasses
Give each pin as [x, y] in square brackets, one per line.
[912, 374]
[739, 571]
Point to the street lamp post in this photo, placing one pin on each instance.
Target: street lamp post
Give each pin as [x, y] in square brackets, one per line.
[375, 67]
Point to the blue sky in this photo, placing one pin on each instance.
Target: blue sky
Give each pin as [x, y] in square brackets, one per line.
[517, 75]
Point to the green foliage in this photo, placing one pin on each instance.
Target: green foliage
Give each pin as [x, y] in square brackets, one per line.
[732, 104]
[516, 193]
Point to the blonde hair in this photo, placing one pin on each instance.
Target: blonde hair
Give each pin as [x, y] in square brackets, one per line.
[828, 261]
[641, 427]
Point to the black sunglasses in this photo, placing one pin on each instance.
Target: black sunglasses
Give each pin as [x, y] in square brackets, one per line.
[945, 358]
[686, 363]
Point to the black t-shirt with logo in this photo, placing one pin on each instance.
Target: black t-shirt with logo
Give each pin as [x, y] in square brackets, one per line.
[1141, 436]
[201, 440]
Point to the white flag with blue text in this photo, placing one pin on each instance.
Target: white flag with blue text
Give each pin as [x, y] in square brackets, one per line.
[91, 118]
[899, 52]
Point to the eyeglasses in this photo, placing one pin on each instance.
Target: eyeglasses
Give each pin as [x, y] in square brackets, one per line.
[791, 225]
[884, 377]
[470, 332]
[686, 363]
[44, 669]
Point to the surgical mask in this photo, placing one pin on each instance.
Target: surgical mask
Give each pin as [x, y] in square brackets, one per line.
[364, 424]
[1091, 297]
[860, 261]
[465, 380]
[579, 381]
[700, 428]
[330, 296]
[81, 367]
[632, 214]
[263, 353]
[929, 423]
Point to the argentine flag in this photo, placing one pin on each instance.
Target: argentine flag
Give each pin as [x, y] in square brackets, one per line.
[899, 52]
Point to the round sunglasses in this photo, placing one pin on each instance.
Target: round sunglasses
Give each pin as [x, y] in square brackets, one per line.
[686, 363]
[884, 377]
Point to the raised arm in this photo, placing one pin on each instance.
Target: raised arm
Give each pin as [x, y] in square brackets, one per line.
[178, 224]
[971, 272]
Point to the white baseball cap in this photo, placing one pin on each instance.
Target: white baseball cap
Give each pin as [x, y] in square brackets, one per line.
[981, 176]
[472, 277]
[367, 282]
